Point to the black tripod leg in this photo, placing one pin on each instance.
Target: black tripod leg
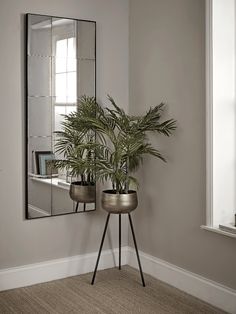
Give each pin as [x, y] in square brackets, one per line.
[77, 206]
[100, 249]
[119, 241]
[136, 249]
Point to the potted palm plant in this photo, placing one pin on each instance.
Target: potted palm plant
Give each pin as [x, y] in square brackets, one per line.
[120, 152]
[123, 144]
[75, 145]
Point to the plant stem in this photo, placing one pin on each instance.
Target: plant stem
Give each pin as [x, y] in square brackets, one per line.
[127, 172]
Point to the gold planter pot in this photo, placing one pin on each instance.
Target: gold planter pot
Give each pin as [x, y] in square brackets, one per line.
[119, 203]
[82, 193]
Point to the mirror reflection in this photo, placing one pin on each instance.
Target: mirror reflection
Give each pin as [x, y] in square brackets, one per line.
[61, 65]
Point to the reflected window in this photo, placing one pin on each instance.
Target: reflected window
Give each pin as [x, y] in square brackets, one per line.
[65, 71]
[65, 79]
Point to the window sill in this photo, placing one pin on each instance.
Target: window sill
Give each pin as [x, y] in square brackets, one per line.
[219, 231]
[59, 183]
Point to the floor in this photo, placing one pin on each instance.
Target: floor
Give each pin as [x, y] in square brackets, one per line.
[114, 292]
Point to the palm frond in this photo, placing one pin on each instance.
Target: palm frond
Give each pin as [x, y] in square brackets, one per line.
[107, 142]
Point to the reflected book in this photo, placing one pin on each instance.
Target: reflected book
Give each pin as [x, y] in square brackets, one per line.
[43, 163]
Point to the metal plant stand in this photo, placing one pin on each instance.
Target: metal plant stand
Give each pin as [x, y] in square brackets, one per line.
[135, 245]
[77, 207]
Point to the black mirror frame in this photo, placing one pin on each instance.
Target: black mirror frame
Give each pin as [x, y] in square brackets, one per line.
[26, 20]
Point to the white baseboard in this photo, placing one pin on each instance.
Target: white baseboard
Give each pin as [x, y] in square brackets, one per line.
[35, 212]
[200, 287]
[28, 275]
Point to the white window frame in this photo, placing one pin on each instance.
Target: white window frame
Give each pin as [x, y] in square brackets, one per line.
[209, 122]
[209, 115]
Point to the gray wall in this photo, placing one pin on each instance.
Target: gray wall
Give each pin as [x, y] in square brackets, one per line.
[167, 63]
[23, 242]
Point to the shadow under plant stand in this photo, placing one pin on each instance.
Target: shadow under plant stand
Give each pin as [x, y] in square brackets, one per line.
[135, 245]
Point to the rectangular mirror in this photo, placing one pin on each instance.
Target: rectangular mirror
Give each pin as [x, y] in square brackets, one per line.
[61, 68]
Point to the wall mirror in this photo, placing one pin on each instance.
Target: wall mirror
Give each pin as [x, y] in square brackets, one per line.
[61, 67]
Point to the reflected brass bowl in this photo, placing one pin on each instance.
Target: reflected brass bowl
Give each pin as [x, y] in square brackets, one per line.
[119, 203]
[82, 193]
